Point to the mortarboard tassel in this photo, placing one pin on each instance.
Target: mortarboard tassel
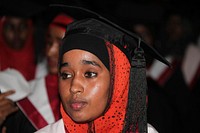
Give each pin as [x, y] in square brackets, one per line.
[136, 116]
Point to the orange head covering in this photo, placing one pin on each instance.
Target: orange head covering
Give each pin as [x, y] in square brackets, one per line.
[22, 60]
[115, 116]
[113, 119]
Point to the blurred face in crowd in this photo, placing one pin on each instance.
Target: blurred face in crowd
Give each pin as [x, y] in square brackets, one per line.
[83, 85]
[144, 32]
[54, 37]
[15, 32]
[174, 27]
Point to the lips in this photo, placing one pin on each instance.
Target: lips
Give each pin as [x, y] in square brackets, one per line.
[77, 105]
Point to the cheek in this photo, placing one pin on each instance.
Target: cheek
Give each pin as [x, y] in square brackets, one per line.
[64, 90]
[47, 49]
[99, 89]
[23, 35]
[99, 95]
[8, 36]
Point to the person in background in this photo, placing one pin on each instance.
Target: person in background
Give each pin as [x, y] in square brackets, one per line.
[173, 105]
[144, 31]
[176, 34]
[7, 106]
[16, 52]
[17, 45]
[147, 33]
[42, 106]
[158, 110]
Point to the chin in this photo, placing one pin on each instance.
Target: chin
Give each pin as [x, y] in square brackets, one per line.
[79, 118]
[82, 120]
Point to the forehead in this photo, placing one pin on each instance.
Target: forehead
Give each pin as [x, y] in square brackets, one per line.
[76, 57]
[78, 54]
[15, 20]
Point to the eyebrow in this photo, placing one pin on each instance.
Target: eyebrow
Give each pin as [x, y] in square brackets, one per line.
[65, 64]
[91, 63]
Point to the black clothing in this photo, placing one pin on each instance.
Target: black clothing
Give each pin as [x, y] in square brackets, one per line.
[173, 108]
[18, 123]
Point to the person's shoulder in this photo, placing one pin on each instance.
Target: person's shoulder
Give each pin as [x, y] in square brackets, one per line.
[53, 128]
[151, 129]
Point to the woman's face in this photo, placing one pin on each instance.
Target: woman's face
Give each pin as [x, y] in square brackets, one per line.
[83, 85]
[15, 32]
[54, 37]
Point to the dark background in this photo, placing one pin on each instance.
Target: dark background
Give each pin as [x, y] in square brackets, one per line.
[119, 11]
[123, 12]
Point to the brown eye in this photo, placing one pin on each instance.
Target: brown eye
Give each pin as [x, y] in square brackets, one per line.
[65, 75]
[90, 74]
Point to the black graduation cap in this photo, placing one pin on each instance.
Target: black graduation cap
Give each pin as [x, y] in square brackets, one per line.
[132, 45]
[80, 13]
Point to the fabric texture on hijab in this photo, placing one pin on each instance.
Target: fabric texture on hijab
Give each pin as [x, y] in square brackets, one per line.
[112, 121]
[22, 60]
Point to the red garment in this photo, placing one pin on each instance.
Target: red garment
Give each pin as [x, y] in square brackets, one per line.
[61, 20]
[113, 120]
[52, 90]
[23, 60]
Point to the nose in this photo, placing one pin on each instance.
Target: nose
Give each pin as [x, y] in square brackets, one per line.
[77, 85]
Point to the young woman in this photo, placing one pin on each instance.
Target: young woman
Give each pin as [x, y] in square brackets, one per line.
[46, 110]
[95, 82]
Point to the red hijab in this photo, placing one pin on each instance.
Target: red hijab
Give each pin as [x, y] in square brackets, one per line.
[113, 119]
[61, 20]
[22, 60]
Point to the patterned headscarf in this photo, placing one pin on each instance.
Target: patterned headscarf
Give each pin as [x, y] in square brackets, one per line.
[113, 119]
[121, 114]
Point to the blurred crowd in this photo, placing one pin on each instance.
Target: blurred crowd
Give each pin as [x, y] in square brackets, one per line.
[173, 93]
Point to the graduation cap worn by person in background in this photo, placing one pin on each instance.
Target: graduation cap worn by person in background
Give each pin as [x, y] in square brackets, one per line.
[132, 45]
